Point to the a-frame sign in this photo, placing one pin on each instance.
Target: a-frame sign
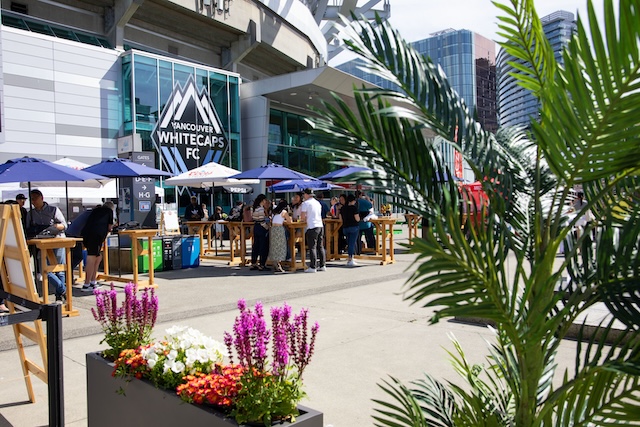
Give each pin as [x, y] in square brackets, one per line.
[17, 279]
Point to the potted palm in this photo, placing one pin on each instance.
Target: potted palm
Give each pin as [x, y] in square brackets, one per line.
[586, 135]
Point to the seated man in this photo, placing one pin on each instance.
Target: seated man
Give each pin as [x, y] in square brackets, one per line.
[193, 212]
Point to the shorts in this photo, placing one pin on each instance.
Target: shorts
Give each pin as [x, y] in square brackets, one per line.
[93, 243]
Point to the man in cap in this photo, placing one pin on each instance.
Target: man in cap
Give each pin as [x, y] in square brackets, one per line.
[21, 199]
[311, 213]
[46, 217]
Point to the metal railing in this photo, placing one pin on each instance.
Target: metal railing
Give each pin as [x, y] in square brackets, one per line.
[52, 315]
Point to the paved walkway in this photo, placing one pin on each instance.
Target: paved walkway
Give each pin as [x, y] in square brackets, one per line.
[366, 333]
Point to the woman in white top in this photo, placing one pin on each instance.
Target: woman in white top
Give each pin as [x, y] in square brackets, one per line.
[277, 236]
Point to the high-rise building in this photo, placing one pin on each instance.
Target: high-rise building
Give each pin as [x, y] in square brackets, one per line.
[516, 105]
[468, 60]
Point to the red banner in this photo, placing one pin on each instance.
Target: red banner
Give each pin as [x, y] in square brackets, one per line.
[457, 164]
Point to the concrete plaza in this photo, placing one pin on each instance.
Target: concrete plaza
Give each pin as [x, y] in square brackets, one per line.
[367, 332]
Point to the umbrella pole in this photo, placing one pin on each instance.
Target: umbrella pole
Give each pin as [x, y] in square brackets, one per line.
[118, 212]
[66, 193]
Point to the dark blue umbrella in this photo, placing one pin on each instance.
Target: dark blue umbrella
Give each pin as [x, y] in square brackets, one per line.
[123, 168]
[31, 169]
[342, 172]
[271, 171]
[301, 184]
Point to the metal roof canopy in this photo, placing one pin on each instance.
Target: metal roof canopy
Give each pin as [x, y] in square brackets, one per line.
[303, 88]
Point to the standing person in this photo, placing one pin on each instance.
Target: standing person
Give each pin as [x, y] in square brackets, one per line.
[99, 224]
[21, 199]
[296, 204]
[43, 216]
[219, 215]
[323, 204]
[260, 249]
[335, 213]
[205, 211]
[365, 207]
[75, 230]
[236, 212]
[311, 213]
[277, 236]
[350, 219]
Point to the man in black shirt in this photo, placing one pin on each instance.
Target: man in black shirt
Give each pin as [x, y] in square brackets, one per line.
[99, 224]
[194, 211]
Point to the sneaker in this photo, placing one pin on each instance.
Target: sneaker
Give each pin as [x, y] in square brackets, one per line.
[90, 287]
[351, 263]
[61, 299]
[323, 268]
[310, 270]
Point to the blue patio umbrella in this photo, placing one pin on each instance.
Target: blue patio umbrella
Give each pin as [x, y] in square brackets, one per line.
[123, 168]
[31, 169]
[301, 184]
[271, 171]
[343, 172]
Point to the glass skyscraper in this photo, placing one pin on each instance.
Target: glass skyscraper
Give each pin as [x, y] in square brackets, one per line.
[516, 105]
[468, 60]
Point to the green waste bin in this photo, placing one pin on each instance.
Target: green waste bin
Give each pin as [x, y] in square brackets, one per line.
[143, 260]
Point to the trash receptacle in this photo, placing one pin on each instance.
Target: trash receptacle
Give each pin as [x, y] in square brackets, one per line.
[190, 251]
[143, 260]
[172, 252]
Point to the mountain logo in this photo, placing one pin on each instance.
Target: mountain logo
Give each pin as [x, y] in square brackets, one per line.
[189, 130]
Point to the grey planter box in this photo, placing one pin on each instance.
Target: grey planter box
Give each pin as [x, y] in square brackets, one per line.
[142, 404]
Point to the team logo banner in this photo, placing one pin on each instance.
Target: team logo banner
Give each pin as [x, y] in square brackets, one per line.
[189, 132]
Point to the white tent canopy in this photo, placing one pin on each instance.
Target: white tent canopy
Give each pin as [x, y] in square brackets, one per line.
[209, 175]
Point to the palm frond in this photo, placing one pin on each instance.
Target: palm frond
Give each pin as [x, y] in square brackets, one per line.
[404, 412]
[595, 86]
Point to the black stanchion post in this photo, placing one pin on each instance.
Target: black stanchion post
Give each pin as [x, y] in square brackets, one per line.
[53, 317]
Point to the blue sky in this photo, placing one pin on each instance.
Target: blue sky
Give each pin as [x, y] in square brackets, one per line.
[416, 19]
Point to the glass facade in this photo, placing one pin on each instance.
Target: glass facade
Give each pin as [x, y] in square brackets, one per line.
[516, 105]
[153, 86]
[290, 145]
[149, 82]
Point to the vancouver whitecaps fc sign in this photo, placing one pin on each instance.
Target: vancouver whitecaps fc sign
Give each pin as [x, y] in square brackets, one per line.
[189, 132]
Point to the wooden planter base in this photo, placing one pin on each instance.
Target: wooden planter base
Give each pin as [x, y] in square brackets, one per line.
[118, 402]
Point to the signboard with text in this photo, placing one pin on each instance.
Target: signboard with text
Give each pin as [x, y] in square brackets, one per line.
[189, 131]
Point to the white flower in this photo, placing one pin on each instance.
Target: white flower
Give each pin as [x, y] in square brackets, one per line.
[173, 354]
[175, 330]
[192, 357]
[177, 366]
[203, 355]
[151, 363]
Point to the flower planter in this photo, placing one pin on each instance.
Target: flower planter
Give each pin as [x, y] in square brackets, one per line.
[115, 401]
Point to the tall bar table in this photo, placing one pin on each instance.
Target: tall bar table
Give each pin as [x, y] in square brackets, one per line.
[331, 238]
[412, 222]
[49, 264]
[296, 235]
